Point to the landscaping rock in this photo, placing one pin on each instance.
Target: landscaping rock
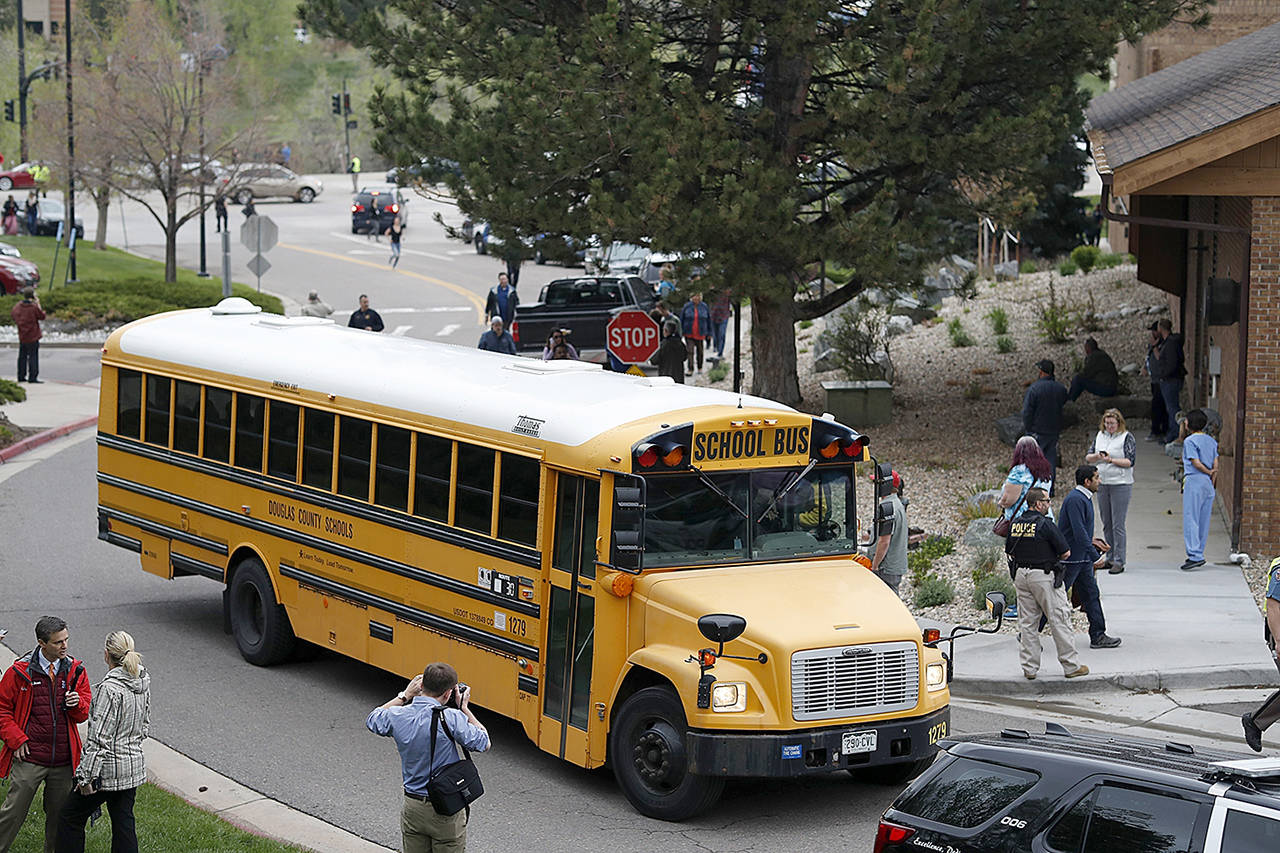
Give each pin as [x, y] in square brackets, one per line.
[1006, 271]
[929, 295]
[978, 534]
[1131, 369]
[875, 296]
[824, 353]
[1009, 429]
[905, 306]
[991, 495]
[1156, 309]
[962, 264]
[1129, 311]
[1130, 407]
[898, 325]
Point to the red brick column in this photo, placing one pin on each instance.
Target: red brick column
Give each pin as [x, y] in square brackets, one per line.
[1260, 527]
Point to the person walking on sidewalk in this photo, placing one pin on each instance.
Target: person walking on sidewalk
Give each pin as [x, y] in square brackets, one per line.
[695, 322]
[1114, 451]
[1035, 547]
[1256, 722]
[409, 718]
[1076, 521]
[112, 767]
[1042, 412]
[27, 315]
[1199, 479]
[43, 696]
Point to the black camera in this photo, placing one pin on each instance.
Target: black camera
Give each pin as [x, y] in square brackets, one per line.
[460, 688]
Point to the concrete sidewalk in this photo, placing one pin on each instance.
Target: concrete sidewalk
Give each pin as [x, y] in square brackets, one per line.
[1194, 629]
[53, 404]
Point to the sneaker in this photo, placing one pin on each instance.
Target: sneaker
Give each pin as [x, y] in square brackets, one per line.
[1105, 642]
[1011, 611]
[1029, 676]
[1191, 564]
[1115, 569]
[35, 381]
[1076, 673]
[1252, 734]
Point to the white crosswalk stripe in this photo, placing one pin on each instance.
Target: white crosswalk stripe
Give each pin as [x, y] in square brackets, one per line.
[448, 330]
[400, 330]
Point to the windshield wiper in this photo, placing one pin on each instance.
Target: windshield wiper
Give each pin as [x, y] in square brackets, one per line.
[706, 481]
[786, 490]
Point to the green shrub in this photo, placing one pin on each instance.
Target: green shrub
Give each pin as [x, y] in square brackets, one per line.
[937, 546]
[973, 391]
[919, 564]
[982, 509]
[718, 371]
[1027, 267]
[11, 392]
[993, 582]
[93, 303]
[858, 335]
[1085, 257]
[986, 560]
[805, 324]
[1067, 268]
[1005, 344]
[1110, 260]
[959, 337]
[999, 320]
[1055, 319]
[934, 590]
[1087, 318]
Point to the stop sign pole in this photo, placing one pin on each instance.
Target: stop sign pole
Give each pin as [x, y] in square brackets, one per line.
[632, 336]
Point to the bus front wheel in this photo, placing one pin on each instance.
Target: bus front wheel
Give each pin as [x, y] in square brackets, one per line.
[260, 624]
[647, 751]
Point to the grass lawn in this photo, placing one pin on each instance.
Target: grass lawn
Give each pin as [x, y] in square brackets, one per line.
[116, 287]
[165, 824]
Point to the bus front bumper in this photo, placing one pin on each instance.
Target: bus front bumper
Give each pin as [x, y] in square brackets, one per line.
[805, 751]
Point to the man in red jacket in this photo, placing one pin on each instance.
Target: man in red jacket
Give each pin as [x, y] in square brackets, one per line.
[42, 698]
[27, 315]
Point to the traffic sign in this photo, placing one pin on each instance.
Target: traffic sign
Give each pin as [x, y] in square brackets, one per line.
[632, 336]
[258, 265]
[259, 234]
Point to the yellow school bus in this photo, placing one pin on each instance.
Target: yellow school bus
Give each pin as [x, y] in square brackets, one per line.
[650, 575]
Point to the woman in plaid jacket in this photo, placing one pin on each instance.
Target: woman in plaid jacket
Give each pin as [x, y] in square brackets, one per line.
[112, 765]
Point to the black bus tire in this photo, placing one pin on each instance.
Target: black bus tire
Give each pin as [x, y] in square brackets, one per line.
[647, 752]
[258, 622]
[892, 774]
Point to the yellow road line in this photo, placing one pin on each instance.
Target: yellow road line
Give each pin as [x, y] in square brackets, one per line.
[448, 285]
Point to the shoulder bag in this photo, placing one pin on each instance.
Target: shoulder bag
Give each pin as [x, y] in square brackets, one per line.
[455, 786]
[1002, 526]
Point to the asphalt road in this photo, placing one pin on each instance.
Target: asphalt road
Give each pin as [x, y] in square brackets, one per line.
[296, 732]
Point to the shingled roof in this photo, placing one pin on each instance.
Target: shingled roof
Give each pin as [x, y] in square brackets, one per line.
[1185, 100]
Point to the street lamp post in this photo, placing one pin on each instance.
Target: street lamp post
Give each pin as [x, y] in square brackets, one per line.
[200, 175]
[70, 222]
[22, 86]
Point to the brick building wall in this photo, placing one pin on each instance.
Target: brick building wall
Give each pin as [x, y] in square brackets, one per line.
[1260, 529]
[1229, 19]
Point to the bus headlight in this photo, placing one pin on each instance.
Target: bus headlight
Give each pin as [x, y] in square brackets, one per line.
[935, 676]
[729, 696]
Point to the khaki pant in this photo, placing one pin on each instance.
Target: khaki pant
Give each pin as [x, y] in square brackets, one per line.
[24, 779]
[1037, 597]
[424, 830]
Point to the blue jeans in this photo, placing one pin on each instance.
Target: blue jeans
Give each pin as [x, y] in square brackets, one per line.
[718, 329]
[1170, 391]
[1197, 508]
[1079, 384]
[1080, 576]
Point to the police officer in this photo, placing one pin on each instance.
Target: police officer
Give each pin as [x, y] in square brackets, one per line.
[1256, 722]
[1035, 547]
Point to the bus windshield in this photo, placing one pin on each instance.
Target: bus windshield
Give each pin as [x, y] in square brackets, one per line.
[748, 516]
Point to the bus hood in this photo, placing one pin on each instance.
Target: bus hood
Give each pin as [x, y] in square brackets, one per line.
[788, 607]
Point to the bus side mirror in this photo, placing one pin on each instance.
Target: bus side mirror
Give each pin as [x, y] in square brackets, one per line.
[721, 627]
[996, 604]
[628, 523]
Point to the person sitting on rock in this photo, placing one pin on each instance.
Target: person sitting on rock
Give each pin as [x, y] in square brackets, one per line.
[1098, 375]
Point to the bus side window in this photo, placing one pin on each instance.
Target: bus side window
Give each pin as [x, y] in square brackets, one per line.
[217, 424]
[355, 442]
[474, 493]
[577, 517]
[317, 449]
[159, 391]
[282, 441]
[518, 499]
[249, 424]
[129, 403]
[186, 417]
[432, 471]
[391, 479]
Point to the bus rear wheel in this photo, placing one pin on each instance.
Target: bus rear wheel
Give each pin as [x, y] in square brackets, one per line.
[259, 623]
[647, 751]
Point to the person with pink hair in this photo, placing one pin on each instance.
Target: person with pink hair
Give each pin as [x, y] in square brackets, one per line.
[1028, 469]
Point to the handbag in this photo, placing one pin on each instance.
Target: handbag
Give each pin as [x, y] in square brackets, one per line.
[455, 786]
[1003, 525]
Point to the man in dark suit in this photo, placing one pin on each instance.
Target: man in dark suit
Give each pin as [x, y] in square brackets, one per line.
[1076, 522]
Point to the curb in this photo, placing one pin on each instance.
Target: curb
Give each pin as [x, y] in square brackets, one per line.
[1149, 681]
[34, 441]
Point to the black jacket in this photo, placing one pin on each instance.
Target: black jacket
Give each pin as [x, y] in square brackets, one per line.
[1170, 364]
[1035, 542]
[1042, 407]
[670, 358]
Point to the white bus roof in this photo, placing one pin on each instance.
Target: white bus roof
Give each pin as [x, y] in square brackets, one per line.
[574, 401]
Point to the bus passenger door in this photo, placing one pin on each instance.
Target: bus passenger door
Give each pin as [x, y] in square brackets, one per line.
[570, 623]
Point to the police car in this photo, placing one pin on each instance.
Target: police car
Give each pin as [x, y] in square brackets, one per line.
[1068, 793]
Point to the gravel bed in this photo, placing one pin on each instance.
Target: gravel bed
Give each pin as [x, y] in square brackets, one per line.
[946, 399]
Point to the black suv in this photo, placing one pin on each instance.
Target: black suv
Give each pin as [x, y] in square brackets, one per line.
[1066, 793]
[374, 209]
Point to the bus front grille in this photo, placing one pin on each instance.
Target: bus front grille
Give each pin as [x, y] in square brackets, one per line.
[854, 681]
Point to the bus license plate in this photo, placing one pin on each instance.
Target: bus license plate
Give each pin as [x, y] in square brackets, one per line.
[858, 742]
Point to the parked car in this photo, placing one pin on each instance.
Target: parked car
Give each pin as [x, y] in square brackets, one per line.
[651, 267]
[375, 208]
[268, 180]
[429, 170]
[50, 215]
[483, 238]
[17, 178]
[583, 305]
[616, 259]
[1066, 792]
[559, 249]
[17, 273]
[9, 250]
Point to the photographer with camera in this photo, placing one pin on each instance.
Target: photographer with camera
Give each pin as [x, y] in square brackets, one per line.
[429, 720]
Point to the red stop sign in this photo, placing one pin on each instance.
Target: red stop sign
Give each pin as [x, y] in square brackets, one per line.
[632, 336]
